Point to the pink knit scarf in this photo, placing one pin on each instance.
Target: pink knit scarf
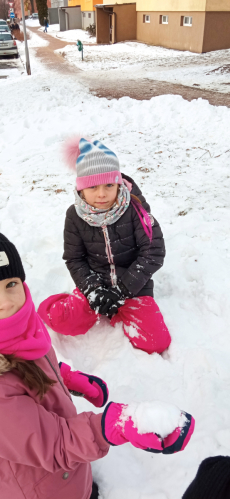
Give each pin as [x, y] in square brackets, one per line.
[24, 334]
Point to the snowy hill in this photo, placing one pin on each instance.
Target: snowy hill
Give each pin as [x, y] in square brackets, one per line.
[178, 152]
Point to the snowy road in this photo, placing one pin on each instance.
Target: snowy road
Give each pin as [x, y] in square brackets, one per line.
[178, 152]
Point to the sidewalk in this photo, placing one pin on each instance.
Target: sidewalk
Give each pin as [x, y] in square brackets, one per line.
[51, 59]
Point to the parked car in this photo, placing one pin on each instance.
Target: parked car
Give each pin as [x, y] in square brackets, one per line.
[8, 45]
[4, 28]
[3, 23]
[34, 16]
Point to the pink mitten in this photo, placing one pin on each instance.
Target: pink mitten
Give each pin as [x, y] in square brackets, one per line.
[118, 430]
[92, 388]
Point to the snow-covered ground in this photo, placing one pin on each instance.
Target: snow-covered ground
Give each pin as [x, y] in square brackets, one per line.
[144, 61]
[71, 35]
[178, 152]
[34, 23]
[15, 68]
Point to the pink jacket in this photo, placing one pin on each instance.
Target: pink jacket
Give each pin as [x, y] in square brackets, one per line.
[45, 447]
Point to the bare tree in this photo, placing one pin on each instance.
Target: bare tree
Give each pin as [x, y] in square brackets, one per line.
[4, 8]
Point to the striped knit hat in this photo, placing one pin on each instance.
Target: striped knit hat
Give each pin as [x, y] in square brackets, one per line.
[94, 162]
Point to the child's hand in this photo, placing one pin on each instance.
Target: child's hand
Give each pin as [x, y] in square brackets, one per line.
[94, 389]
[112, 300]
[96, 298]
[118, 429]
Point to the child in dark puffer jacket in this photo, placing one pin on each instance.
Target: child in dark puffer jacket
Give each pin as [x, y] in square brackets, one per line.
[112, 247]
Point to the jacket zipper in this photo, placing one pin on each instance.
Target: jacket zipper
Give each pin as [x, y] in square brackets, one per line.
[108, 250]
[58, 377]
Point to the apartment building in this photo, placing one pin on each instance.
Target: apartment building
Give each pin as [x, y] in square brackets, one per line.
[87, 10]
[194, 25]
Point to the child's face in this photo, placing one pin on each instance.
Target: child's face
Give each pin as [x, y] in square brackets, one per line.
[12, 297]
[101, 196]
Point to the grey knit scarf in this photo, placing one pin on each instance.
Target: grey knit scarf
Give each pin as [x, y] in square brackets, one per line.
[97, 217]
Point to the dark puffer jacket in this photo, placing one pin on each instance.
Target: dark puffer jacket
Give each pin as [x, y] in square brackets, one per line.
[136, 259]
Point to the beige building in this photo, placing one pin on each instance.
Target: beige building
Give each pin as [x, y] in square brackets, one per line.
[194, 25]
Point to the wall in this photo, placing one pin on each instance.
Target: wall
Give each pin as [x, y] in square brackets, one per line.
[217, 31]
[167, 5]
[218, 5]
[126, 22]
[62, 20]
[74, 18]
[74, 3]
[172, 5]
[102, 26]
[59, 3]
[53, 16]
[88, 5]
[178, 5]
[172, 35]
[86, 20]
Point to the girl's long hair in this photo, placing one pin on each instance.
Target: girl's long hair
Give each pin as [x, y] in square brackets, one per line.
[32, 375]
[135, 198]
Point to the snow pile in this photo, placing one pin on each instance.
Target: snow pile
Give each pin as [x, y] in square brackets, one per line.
[119, 55]
[32, 23]
[154, 417]
[71, 35]
[10, 69]
[35, 41]
[178, 153]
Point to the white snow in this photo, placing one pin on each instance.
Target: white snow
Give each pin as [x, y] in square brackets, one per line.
[132, 331]
[122, 55]
[178, 152]
[15, 68]
[209, 71]
[33, 23]
[71, 35]
[154, 417]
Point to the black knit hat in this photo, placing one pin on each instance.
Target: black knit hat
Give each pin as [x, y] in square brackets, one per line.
[10, 261]
[212, 480]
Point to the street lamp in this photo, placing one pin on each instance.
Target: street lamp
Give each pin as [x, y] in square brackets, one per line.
[28, 69]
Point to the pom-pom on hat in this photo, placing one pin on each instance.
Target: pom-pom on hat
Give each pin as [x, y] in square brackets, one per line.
[10, 261]
[94, 162]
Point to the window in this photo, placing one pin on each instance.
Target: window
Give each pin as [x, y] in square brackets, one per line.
[187, 21]
[89, 15]
[165, 19]
[5, 36]
[83, 14]
[146, 19]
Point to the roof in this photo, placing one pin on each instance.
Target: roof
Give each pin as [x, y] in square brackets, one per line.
[100, 6]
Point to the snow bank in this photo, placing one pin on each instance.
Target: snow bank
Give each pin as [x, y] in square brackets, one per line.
[33, 23]
[119, 55]
[71, 35]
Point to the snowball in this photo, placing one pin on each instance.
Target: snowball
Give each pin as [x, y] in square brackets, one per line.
[154, 417]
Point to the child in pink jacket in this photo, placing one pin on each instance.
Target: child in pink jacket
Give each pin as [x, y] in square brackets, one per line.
[46, 447]
[112, 247]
